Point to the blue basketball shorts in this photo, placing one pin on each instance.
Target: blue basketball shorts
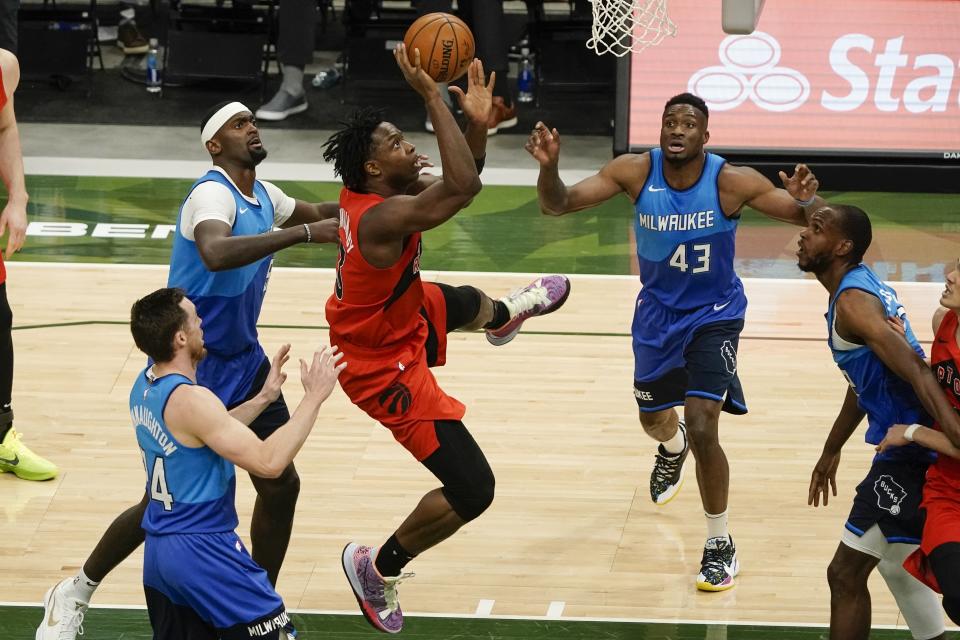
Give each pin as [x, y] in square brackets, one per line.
[206, 586]
[890, 497]
[682, 353]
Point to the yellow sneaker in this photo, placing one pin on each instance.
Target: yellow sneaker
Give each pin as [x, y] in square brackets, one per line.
[17, 458]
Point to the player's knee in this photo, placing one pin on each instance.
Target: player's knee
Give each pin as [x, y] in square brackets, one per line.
[468, 309]
[702, 433]
[281, 491]
[844, 578]
[471, 500]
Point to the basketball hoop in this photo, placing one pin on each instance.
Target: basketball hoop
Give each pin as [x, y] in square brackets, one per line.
[622, 26]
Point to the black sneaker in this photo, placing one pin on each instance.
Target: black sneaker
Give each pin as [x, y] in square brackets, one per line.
[667, 475]
[719, 565]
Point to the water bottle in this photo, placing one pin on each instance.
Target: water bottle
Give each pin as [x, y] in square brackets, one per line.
[153, 69]
[525, 78]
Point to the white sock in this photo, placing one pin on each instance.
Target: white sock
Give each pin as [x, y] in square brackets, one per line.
[81, 587]
[292, 80]
[717, 525]
[675, 444]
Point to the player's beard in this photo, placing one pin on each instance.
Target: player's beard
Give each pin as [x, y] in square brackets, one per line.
[198, 354]
[814, 264]
[257, 156]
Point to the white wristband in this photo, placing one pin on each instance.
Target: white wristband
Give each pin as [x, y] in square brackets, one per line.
[908, 434]
[806, 203]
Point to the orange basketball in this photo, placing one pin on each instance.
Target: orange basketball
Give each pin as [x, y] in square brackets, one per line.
[445, 43]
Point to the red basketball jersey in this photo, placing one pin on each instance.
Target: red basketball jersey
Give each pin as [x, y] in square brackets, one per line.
[374, 308]
[944, 358]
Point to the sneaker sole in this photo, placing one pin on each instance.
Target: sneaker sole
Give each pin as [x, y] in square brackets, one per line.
[28, 475]
[499, 341]
[275, 116]
[346, 561]
[508, 124]
[714, 588]
[132, 51]
[46, 613]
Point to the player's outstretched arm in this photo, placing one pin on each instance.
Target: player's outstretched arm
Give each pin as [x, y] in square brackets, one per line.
[924, 436]
[459, 168]
[221, 250]
[476, 104]
[196, 417]
[307, 212]
[556, 199]
[794, 203]
[824, 476]
[13, 219]
[861, 315]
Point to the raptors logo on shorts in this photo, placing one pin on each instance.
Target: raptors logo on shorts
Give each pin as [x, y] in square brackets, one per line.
[396, 399]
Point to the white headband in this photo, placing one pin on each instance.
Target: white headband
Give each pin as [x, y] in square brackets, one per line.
[220, 118]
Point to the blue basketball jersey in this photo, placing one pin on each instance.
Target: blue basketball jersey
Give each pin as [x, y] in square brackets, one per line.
[228, 302]
[685, 245]
[886, 398]
[191, 489]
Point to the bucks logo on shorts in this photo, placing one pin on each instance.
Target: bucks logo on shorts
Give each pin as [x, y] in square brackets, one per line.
[890, 495]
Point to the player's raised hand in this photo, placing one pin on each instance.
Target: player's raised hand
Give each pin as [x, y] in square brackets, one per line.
[544, 145]
[478, 100]
[894, 438]
[414, 74]
[824, 478]
[802, 185]
[320, 377]
[276, 377]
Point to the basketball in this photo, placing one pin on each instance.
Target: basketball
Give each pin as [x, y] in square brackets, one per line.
[445, 43]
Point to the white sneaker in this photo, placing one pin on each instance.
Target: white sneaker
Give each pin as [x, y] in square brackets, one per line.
[62, 615]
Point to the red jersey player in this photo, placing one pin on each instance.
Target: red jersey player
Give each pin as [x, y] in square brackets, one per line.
[392, 327]
[937, 561]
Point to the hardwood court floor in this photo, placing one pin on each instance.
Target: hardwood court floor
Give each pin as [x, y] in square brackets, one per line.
[572, 522]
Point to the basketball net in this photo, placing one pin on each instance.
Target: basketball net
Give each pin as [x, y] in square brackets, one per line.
[622, 26]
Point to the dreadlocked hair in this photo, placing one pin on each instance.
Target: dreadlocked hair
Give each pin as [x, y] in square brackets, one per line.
[349, 148]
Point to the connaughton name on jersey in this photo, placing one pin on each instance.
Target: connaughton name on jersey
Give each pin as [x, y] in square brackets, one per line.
[676, 221]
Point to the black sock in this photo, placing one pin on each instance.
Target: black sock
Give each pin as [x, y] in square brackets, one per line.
[501, 315]
[392, 558]
[4, 429]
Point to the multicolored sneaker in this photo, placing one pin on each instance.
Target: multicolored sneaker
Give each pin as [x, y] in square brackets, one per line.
[62, 615]
[542, 296]
[667, 475]
[719, 565]
[376, 595]
[17, 458]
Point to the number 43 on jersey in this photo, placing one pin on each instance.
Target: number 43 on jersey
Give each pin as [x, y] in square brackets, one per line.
[699, 253]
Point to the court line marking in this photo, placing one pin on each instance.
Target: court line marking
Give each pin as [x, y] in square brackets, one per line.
[300, 171]
[321, 327]
[484, 608]
[467, 616]
[429, 274]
